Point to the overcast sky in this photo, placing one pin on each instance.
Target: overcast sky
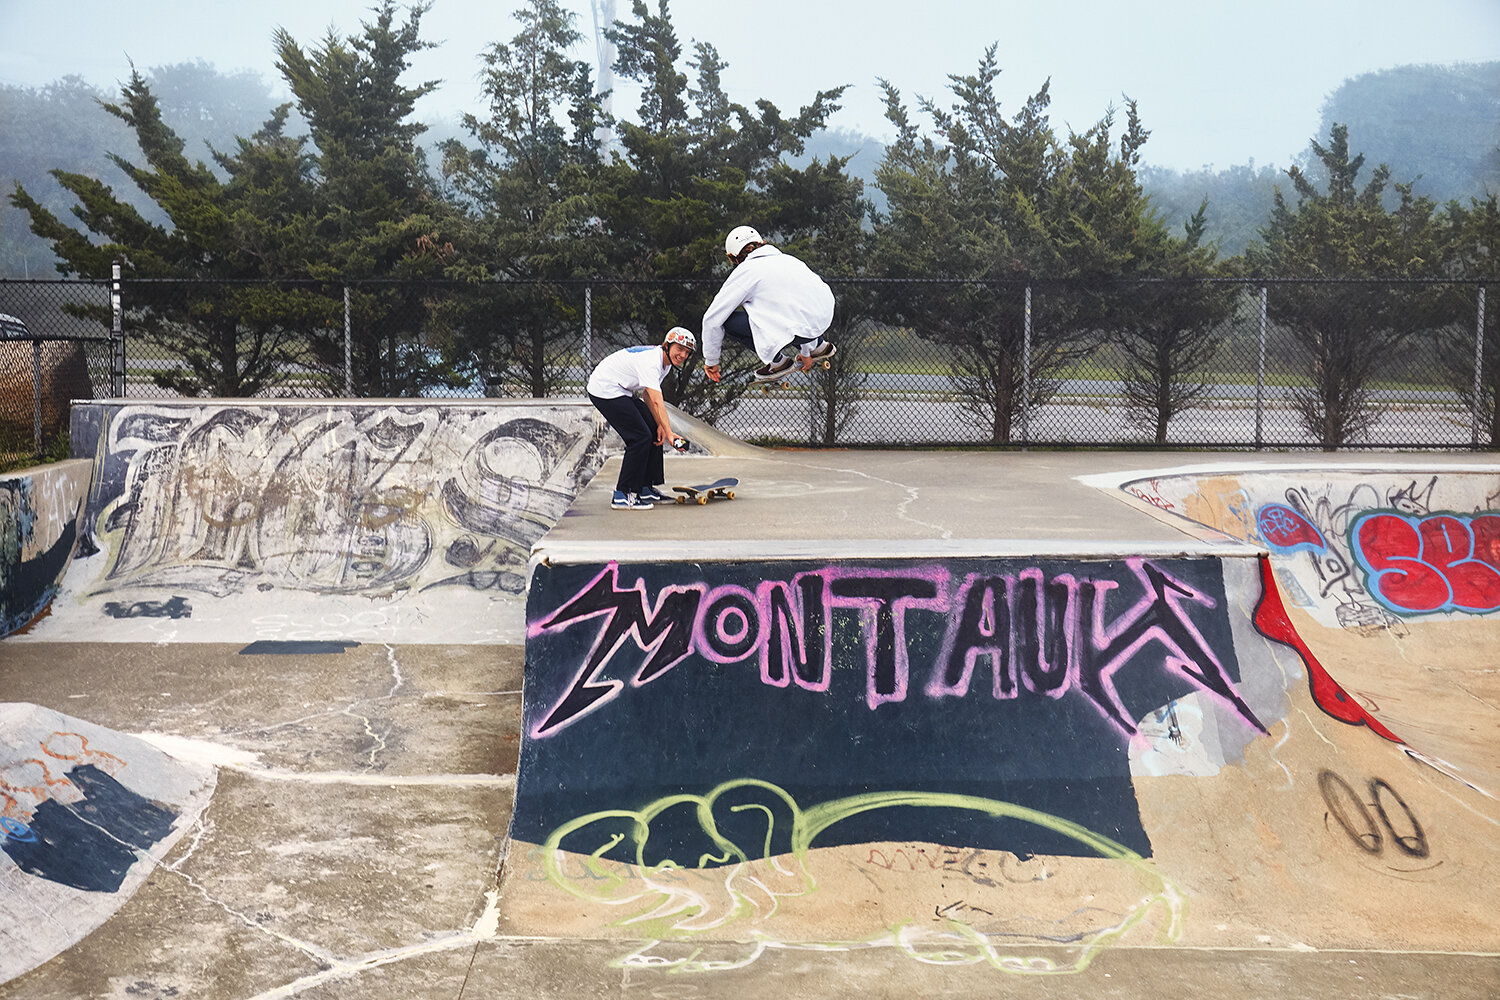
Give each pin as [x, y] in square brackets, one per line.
[1218, 82]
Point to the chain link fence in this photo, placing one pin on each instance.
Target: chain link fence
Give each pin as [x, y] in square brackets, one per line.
[1209, 363]
[53, 350]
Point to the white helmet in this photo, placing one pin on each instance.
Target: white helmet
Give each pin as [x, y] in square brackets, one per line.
[681, 335]
[739, 238]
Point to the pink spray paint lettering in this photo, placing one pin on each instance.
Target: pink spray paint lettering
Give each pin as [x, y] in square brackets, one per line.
[1037, 635]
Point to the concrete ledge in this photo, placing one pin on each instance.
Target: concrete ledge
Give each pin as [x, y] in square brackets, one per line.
[559, 553]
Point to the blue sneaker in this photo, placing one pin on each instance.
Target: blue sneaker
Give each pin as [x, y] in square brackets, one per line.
[652, 495]
[630, 501]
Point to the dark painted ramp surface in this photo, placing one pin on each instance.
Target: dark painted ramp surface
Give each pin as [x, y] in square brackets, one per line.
[1020, 680]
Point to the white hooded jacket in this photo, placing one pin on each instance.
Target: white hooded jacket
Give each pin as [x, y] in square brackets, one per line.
[782, 296]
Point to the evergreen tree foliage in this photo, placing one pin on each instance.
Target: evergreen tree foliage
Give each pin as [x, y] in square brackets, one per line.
[1438, 125]
[1470, 345]
[219, 338]
[693, 165]
[828, 207]
[968, 201]
[1349, 332]
[1238, 199]
[1003, 203]
[62, 126]
[377, 213]
[527, 189]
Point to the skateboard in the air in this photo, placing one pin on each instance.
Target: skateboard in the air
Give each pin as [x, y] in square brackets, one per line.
[783, 380]
[702, 494]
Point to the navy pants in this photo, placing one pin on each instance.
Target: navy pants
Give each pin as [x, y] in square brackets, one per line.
[737, 326]
[632, 420]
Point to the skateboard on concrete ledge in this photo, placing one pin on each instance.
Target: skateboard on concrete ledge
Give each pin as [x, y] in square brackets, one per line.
[702, 494]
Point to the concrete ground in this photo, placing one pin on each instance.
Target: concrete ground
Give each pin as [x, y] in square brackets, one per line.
[356, 833]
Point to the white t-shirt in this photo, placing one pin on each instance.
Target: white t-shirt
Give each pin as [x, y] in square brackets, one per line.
[626, 372]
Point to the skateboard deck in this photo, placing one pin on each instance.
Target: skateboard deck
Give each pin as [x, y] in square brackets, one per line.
[702, 494]
[783, 381]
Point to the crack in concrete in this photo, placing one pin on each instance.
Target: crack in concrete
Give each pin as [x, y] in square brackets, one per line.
[485, 928]
[309, 949]
[913, 494]
[380, 743]
[365, 778]
[391, 658]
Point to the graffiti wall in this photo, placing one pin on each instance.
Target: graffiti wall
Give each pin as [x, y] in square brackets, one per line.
[999, 761]
[41, 511]
[322, 520]
[1359, 549]
[85, 815]
[1391, 585]
[1020, 681]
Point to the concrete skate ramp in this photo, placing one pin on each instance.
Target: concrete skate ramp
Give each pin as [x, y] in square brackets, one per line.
[1391, 573]
[228, 520]
[86, 814]
[1019, 754]
[41, 512]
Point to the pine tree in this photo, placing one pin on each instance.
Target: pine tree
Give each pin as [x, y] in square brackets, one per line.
[377, 214]
[223, 339]
[694, 165]
[1349, 333]
[527, 187]
[971, 201]
[1474, 253]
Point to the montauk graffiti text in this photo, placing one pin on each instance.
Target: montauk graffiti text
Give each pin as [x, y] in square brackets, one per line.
[1034, 634]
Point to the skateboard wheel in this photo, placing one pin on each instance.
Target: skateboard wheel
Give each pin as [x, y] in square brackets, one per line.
[702, 499]
[827, 365]
[681, 499]
[730, 494]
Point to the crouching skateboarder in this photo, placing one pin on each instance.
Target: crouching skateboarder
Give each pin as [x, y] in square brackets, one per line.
[784, 305]
[640, 420]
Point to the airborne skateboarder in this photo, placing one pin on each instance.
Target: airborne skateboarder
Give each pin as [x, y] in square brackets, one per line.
[784, 304]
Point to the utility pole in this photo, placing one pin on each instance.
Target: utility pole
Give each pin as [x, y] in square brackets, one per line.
[604, 19]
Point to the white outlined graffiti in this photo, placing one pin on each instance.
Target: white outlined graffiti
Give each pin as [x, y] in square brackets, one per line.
[336, 500]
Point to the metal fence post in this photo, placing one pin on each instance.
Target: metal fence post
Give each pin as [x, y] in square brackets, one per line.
[348, 349]
[36, 392]
[1260, 377]
[1026, 375]
[116, 334]
[1478, 369]
[588, 330]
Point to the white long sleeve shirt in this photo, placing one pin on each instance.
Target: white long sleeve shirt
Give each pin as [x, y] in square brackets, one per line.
[782, 296]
